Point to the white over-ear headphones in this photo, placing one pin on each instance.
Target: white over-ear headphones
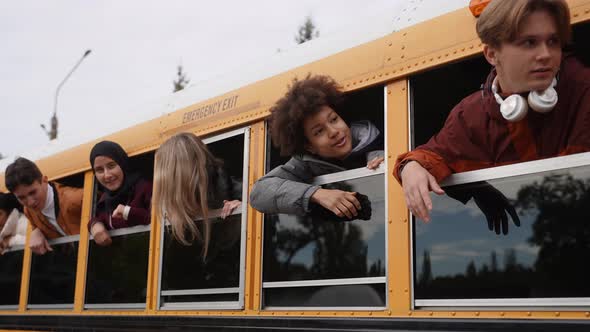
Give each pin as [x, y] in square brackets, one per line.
[514, 107]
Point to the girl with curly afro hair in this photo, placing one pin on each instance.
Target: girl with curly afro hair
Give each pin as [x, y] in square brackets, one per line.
[305, 125]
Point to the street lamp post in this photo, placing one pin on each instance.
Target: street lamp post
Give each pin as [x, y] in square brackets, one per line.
[52, 132]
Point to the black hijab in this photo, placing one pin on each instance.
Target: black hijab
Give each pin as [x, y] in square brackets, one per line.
[122, 195]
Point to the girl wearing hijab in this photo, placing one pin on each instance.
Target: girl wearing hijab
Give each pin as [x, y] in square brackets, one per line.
[126, 196]
[191, 181]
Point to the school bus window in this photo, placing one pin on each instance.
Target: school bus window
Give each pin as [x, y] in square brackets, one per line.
[541, 256]
[324, 260]
[118, 258]
[313, 257]
[13, 231]
[516, 223]
[53, 272]
[211, 275]
[435, 93]
[11, 264]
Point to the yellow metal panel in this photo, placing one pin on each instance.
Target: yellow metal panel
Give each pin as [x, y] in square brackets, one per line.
[255, 221]
[24, 280]
[398, 230]
[154, 261]
[79, 291]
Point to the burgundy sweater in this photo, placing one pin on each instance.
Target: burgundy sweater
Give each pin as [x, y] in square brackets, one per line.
[139, 213]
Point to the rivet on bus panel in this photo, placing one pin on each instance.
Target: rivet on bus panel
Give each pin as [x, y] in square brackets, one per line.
[389, 312]
[431, 313]
[587, 314]
[556, 314]
[453, 313]
[502, 314]
[477, 313]
[528, 313]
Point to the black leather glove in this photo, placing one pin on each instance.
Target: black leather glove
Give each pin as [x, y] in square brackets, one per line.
[490, 201]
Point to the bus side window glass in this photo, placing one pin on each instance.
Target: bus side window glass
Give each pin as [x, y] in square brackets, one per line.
[53, 274]
[11, 265]
[320, 260]
[117, 272]
[189, 279]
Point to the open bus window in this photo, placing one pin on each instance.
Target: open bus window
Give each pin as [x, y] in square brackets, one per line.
[187, 278]
[436, 92]
[456, 256]
[11, 265]
[117, 273]
[53, 275]
[458, 261]
[319, 260]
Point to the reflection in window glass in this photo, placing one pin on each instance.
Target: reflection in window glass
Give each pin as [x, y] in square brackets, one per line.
[456, 256]
[11, 265]
[372, 295]
[311, 247]
[185, 268]
[53, 275]
[118, 273]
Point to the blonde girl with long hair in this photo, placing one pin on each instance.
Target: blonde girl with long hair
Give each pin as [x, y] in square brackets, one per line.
[189, 182]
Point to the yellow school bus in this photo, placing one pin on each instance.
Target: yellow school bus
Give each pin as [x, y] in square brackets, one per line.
[404, 74]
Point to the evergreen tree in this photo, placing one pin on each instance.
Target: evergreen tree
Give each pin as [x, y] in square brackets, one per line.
[471, 271]
[426, 274]
[181, 80]
[307, 31]
[494, 263]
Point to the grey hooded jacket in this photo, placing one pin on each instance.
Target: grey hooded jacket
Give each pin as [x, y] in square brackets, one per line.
[287, 188]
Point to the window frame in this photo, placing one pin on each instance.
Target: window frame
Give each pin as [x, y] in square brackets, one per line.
[59, 240]
[243, 230]
[346, 175]
[19, 247]
[498, 173]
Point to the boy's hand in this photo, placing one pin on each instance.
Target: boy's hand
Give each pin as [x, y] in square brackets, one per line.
[38, 243]
[417, 183]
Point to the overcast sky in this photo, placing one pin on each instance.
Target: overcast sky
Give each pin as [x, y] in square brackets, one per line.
[136, 46]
